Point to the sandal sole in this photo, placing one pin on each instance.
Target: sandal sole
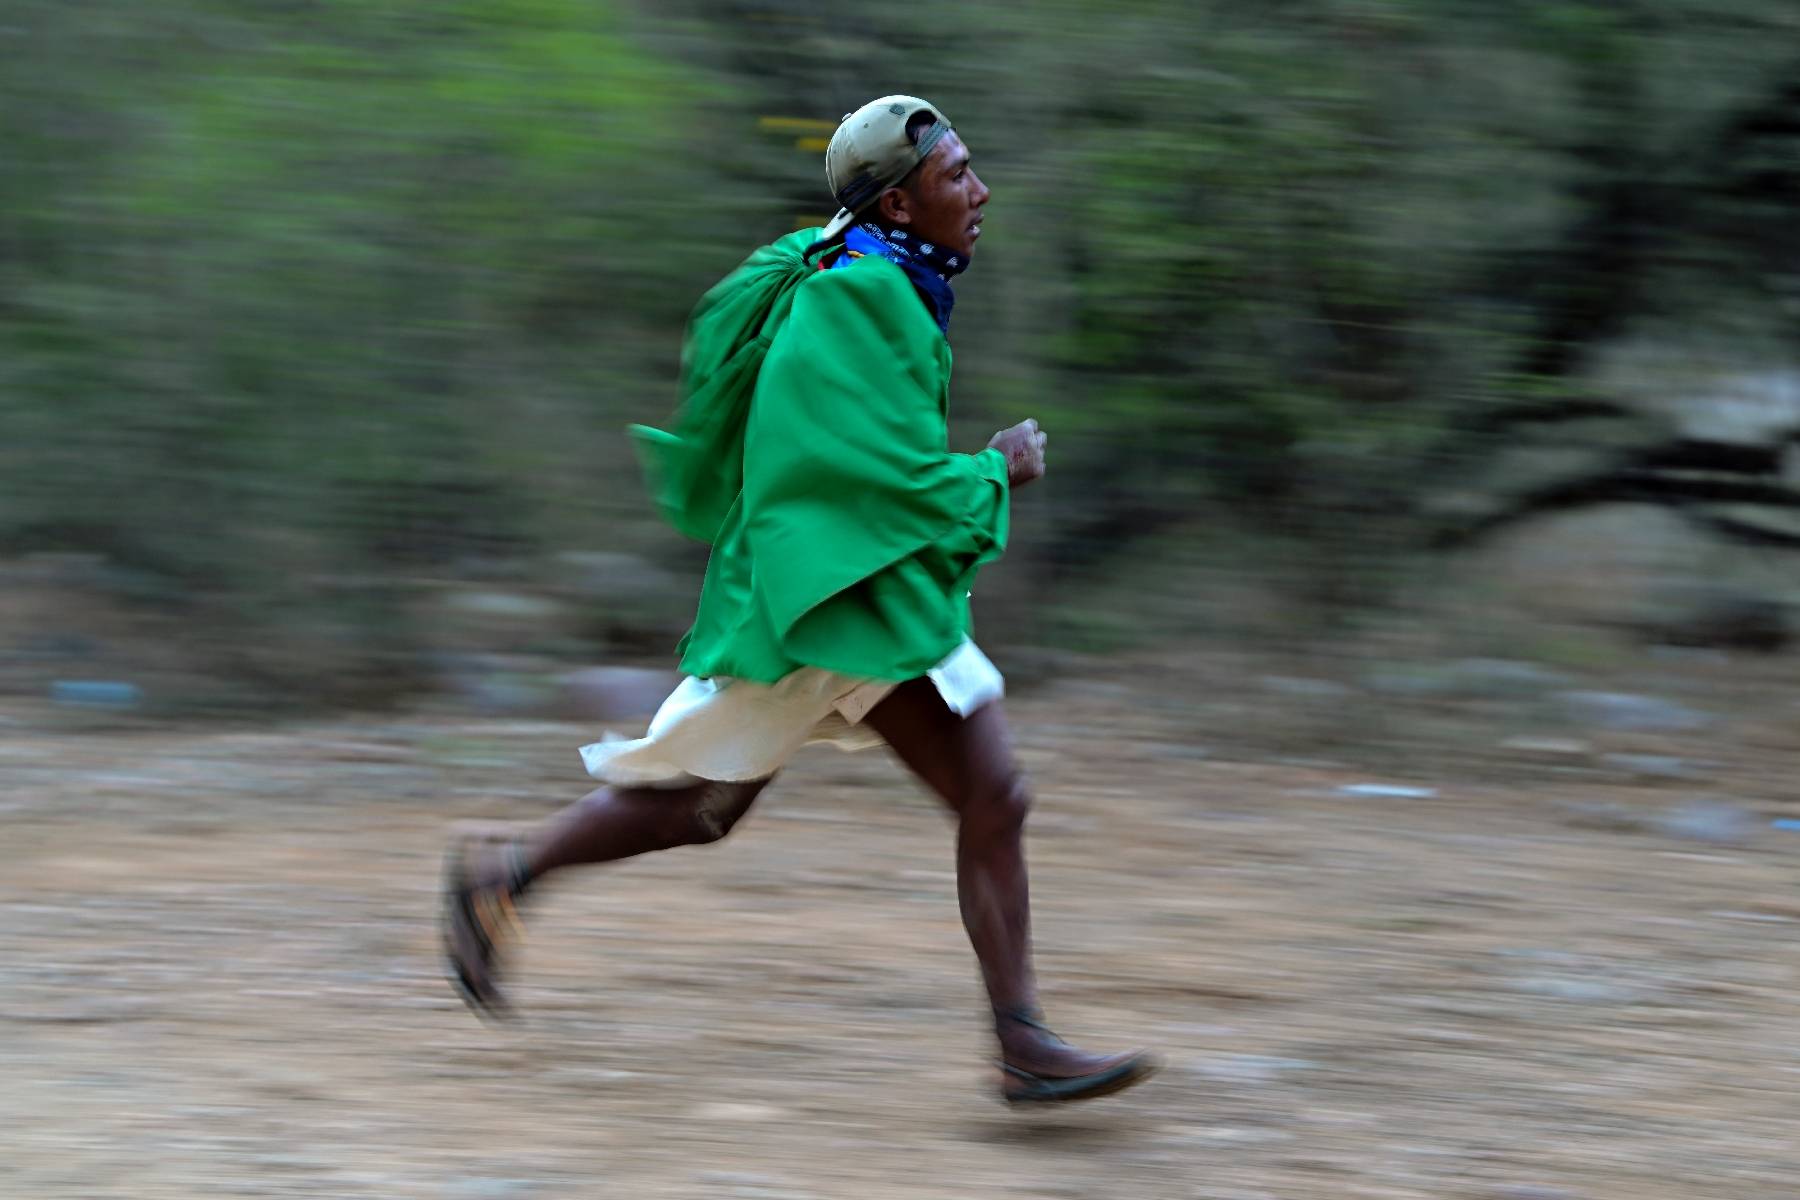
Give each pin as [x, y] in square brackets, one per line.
[492, 1008]
[1043, 1091]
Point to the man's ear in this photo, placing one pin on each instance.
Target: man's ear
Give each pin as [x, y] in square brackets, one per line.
[895, 206]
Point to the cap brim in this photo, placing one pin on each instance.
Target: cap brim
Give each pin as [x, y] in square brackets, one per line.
[844, 219]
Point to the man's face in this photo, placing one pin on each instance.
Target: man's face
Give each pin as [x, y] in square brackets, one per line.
[944, 199]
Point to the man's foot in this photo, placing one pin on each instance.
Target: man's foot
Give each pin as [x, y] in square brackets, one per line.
[1037, 1067]
[482, 882]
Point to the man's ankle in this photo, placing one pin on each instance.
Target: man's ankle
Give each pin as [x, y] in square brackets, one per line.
[504, 864]
[1027, 1014]
[1021, 1027]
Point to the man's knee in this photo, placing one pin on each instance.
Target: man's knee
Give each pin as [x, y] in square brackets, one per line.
[998, 806]
[717, 809]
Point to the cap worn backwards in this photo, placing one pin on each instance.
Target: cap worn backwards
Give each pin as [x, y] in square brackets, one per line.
[870, 153]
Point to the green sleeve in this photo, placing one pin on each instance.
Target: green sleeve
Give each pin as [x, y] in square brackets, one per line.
[865, 530]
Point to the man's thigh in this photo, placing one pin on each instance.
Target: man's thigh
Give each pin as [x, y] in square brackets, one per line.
[960, 758]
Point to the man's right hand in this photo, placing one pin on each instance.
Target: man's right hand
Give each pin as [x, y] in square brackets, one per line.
[1023, 446]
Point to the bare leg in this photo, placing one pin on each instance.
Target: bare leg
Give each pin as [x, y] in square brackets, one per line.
[969, 763]
[613, 823]
[489, 872]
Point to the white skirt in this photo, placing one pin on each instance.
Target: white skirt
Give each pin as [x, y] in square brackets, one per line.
[731, 729]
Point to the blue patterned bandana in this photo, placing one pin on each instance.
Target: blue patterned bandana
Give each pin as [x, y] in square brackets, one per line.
[929, 267]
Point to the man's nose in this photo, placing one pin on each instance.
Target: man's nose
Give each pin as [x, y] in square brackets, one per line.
[981, 191]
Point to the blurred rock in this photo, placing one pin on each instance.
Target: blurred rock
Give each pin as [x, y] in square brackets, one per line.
[1639, 568]
[1772, 529]
[1504, 677]
[1486, 678]
[1714, 821]
[506, 607]
[490, 568]
[1174, 749]
[459, 620]
[1712, 616]
[726, 1110]
[1549, 750]
[713, 1179]
[1688, 656]
[96, 694]
[1410, 680]
[1651, 766]
[613, 693]
[60, 569]
[1663, 515]
[1742, 409]
[57, 645]
[1552, 461]
[1624, 711]
[497, 684]
[611, 577]
[492, 1188]
[510, 695]
[1388, 791]
[1250, 1068]
[1579, 991]
[1302, 688]
[623, 600]
[1605, 816]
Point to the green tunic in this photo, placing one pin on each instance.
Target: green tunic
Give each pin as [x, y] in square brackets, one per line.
[810, 451]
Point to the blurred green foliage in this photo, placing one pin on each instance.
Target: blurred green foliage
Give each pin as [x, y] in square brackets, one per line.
[300, 299]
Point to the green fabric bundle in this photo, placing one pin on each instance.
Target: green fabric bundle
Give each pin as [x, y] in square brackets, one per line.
[810, 451]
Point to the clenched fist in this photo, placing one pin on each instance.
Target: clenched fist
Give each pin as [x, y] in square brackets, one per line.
[1023, 446]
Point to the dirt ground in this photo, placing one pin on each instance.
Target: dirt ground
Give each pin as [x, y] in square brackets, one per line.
[219, 977]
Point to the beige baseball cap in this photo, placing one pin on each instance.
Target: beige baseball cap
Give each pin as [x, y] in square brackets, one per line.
[870, 153]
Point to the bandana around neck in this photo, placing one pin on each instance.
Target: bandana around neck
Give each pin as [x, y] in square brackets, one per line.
[929, 267]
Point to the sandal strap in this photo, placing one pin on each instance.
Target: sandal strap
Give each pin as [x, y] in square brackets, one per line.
[1031, 1018]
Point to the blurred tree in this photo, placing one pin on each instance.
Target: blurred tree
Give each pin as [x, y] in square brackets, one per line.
[294, 294]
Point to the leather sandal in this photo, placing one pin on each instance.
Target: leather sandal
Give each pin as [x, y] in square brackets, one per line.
[479, 921]
[1102, 1076]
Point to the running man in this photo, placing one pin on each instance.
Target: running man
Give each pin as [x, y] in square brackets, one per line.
[810, 453]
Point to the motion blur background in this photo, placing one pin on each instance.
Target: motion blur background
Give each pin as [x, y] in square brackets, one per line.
[1403, 640]
[320, 321]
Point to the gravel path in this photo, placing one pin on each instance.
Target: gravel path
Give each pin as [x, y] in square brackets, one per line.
[218, 977]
